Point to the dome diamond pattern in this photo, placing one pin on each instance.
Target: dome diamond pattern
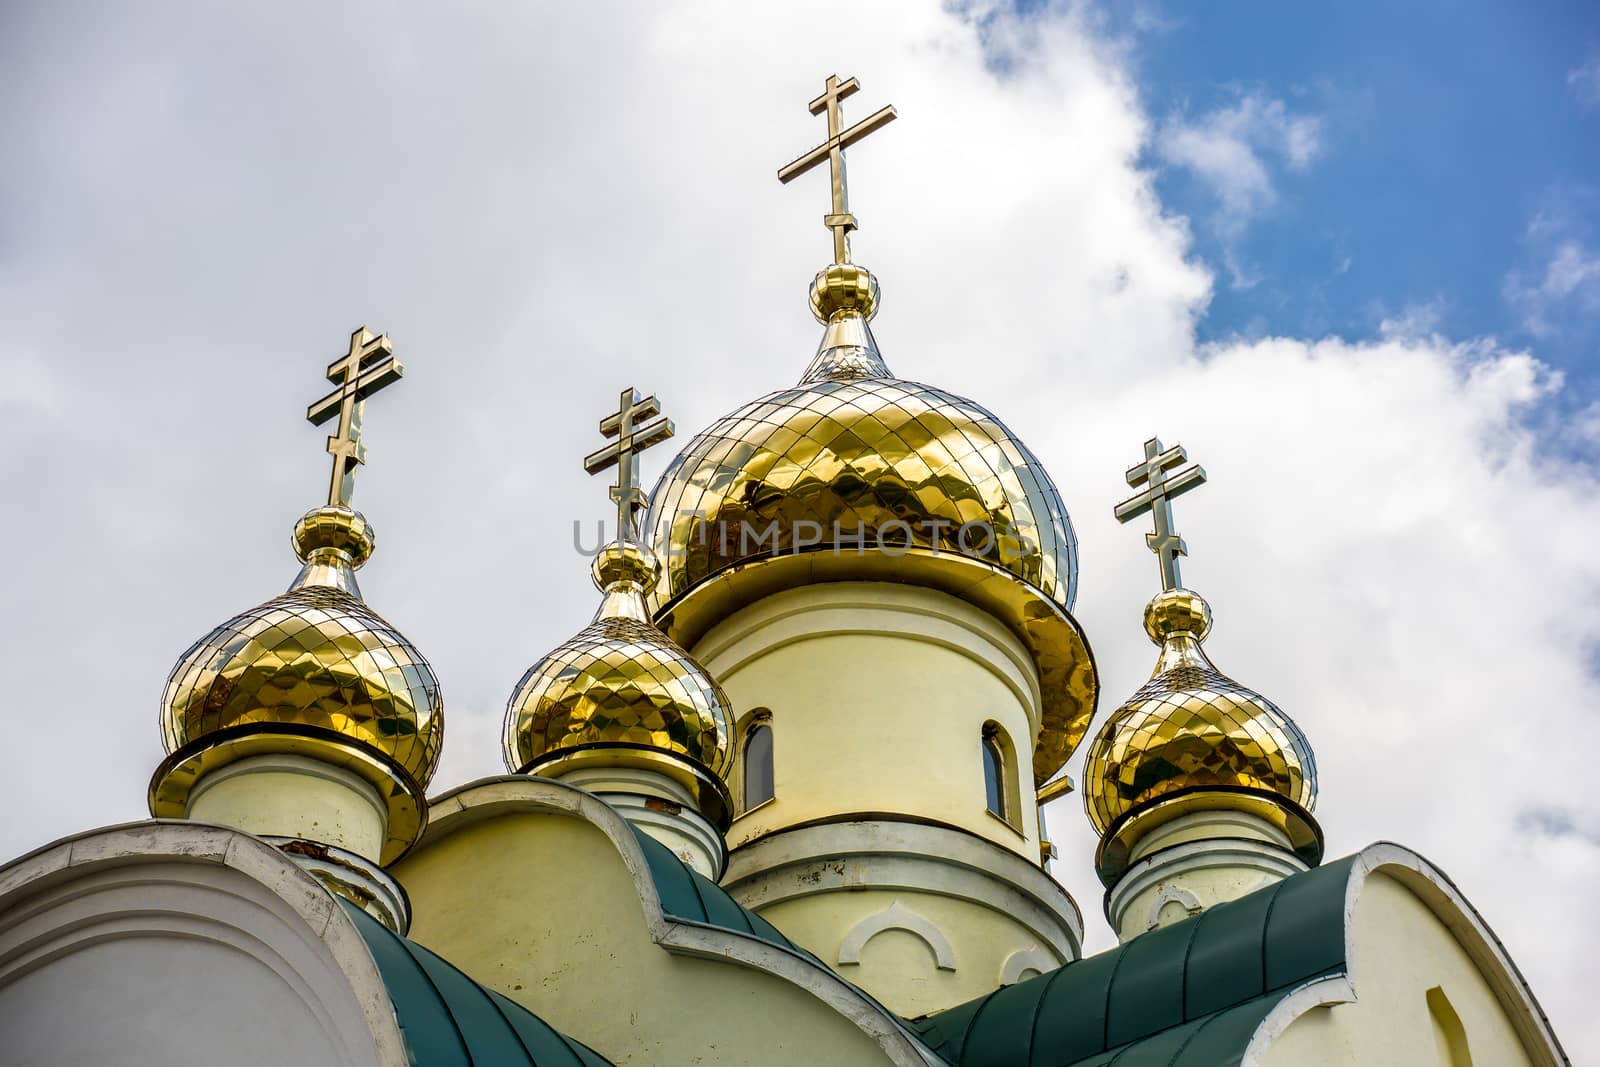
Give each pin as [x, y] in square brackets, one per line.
[1191, 726]
[618, 681]
[315, 656]
[877, 460]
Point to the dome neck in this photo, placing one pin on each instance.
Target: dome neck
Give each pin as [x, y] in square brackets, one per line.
[328, 568]
[1180, 650]
[623, 600]
[847, 353]
[331, 543]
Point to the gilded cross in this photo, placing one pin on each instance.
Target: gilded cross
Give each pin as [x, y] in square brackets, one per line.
[840, 221]
[1157, 499]
[368, 366]
[631, 439]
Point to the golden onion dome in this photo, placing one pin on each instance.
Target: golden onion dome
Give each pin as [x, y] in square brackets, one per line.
[857, 474]
[313, 671]
[622, 691]
[852, 456]
[1191, 728]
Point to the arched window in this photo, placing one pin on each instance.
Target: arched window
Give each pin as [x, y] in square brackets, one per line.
[758, 761]
[994, 772]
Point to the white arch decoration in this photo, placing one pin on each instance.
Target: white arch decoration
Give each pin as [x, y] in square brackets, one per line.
[1020, 962]
[898, 917]
[1171, 894]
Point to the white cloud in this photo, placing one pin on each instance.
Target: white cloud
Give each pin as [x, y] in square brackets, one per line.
[1233, 151]
[1565, 282]
[543, 205]
[1417, 321]
[1584, 80]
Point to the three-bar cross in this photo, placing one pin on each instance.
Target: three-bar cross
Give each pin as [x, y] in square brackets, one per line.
[1157, 499]
[840, 221]
[631, 439]
[368, 366]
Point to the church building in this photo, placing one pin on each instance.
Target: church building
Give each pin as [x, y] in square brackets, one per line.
[778, 802]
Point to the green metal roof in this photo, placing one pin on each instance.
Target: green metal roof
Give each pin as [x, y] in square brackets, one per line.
[451, 1021]
[688, 895]
[1186, 995]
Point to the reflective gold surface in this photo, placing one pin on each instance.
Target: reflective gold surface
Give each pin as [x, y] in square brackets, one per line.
[335, 534]
[1191, 726]
[318, 657]
[839, 466]
[839, 220]
[844, 287]
[619, 680]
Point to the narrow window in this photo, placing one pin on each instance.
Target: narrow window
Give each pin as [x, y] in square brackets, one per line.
[994, 772]
[757, 765]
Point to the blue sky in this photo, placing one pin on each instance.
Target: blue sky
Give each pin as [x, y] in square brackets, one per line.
[1450, 152]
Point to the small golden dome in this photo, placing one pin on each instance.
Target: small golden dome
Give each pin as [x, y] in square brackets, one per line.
[621, 683]
[312, 670]
[1191, 727]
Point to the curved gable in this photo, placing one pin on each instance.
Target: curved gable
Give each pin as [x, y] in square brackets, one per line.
[252, 954]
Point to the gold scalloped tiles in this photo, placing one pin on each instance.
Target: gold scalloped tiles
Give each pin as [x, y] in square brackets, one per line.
[314, 657]
[1193, 726]
[869, 453]
[618, 680]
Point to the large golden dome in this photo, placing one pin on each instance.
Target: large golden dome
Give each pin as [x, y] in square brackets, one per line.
[1190, 727]
[313, 670]
[621, 684]
[834, 462]
[857, 475]
[854, 457]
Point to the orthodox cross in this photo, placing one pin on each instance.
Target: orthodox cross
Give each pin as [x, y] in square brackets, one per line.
[631, 439]
[367, 367]
[840, 221]
[1157, 499]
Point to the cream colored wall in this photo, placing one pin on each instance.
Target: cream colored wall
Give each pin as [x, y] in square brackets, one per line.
[898, 966]
[1402, 951]
[293, 796]
[1195, 861]
[541, 908]
[879, 694]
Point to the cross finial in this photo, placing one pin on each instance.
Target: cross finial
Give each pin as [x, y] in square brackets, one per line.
[839, 220]
[368, 366]
[631, 439]
[1157, 499]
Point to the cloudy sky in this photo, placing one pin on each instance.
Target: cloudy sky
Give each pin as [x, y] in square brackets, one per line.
[1352, 262]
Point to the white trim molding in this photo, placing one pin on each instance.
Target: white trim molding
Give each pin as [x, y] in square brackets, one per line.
[898, 917]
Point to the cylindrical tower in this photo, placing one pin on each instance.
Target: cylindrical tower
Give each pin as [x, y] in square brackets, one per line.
[879, 574]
